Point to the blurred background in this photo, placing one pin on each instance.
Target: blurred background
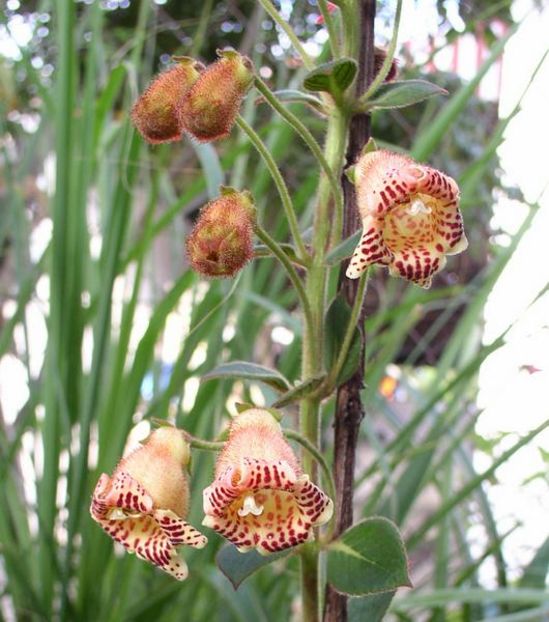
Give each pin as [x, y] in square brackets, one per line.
[103, 327]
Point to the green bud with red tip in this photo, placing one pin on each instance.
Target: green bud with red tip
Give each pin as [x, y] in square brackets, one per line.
[209, 109]
[221, 242]
[155, 113]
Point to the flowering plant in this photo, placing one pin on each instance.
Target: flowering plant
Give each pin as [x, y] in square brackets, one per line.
[263, 498]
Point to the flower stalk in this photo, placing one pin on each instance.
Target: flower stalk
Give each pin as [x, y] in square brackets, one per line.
[279, 253]
[285, 197]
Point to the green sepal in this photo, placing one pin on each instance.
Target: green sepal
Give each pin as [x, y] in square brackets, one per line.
[350, 173]
[334, 77]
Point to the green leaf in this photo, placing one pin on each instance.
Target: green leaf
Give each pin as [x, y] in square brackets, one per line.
[238, 566]
[337, 319]
[302, 390]
[368, 558]
[403, 93]
[332, 77]
[371, 608]
[536, 572]
[249, 371]
[343, 250]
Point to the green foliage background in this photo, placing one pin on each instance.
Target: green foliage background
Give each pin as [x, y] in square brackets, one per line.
[56, 562]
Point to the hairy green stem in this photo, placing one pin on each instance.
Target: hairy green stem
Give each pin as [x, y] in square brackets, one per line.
[307, 60]
[305, 134]
[290, 270]
[279, 182]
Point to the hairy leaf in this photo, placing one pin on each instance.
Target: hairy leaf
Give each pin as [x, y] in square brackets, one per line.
[368, 558]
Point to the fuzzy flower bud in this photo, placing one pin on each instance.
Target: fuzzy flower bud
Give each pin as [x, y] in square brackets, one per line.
[221, 242]
[144, 504]
[155, 114]
[209, 109]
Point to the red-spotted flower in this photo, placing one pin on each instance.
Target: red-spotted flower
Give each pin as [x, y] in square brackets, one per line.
[260, 497]
[410, 217]
[144, 504]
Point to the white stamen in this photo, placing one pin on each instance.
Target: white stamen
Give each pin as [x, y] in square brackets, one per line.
[250, 507]
[117, 514]
[418, 207]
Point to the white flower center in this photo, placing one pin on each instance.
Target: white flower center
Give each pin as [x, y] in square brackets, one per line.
[417, 206]
[249, 506]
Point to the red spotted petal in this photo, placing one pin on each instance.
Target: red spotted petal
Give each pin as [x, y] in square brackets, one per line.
[262, 504]
[410, 215]
[125, 511]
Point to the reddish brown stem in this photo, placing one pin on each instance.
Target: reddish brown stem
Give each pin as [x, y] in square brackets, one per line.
[349, 411]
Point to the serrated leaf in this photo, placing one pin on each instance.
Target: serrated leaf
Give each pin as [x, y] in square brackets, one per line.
[238, 566]
[300, 391]
[343, 250]
[332, 77]
[403, 93]
[249, 371]
[337, 319]
[368, 558]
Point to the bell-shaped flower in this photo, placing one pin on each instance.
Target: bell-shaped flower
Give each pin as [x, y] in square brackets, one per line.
[261, 499]
[144, 504]
[410, 217]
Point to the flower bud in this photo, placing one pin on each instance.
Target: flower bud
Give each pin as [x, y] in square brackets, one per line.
[209, 109]
[155, 114]
[144, 504]
[221, 242]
